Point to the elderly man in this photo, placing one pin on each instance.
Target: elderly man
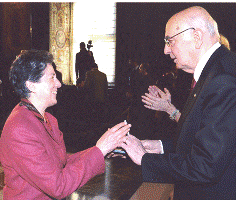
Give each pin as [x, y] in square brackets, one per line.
[203, 163]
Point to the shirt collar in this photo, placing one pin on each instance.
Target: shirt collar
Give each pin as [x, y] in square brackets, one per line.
[201, 64]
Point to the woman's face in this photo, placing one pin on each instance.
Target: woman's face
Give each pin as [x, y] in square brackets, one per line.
[46, 88]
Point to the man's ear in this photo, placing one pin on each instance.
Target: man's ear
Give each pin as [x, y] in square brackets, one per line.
[30, 85]
[198, 38]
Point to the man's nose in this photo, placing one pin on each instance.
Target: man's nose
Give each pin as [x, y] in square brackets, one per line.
[167, 49]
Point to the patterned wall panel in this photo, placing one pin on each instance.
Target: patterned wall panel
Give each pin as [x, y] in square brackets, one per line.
[61, 37]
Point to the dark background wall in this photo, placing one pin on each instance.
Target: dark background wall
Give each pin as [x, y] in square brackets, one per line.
[22, 26]
[141, 29]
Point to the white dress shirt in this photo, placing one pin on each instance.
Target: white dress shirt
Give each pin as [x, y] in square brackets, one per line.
[200, 66]
[202, 62]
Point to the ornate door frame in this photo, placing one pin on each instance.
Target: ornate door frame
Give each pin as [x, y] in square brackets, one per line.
[61, 39]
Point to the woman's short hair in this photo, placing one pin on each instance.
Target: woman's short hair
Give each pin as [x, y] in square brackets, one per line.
[28, 66]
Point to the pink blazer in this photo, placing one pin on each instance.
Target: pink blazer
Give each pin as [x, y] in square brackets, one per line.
[35, 162]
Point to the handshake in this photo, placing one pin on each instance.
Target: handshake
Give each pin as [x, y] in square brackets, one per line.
[135, 148]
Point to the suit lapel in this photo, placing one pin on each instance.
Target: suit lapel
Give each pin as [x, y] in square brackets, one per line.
[207, 74]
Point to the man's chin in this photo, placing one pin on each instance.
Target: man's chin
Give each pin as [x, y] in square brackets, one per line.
[187, 70]
[184, 68]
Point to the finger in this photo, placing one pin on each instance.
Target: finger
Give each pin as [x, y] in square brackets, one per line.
[144, 143]
[110, 155]
[166, 91]
[145, 101]
[143, 97]
[146, 94]
[122, 131]
[151, 102]
[146, 98]
[124, 146]
[152, 97]
[116, 154]
[113, 155]
[149, 97]
[129, 143]
[119, 155]
[161, 93]
[132, 137]
[151, 108]
[118, 126]
[154, 90]
[122, 140]
[151, 86]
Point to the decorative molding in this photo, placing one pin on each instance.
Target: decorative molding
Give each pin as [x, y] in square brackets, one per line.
[61, 39]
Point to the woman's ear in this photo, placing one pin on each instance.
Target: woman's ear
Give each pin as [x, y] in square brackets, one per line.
[30, 85]
[198, 38]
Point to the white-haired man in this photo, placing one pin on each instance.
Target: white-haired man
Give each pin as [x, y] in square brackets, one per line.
[202, 164]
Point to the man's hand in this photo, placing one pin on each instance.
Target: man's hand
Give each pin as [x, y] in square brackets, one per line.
[134, 148]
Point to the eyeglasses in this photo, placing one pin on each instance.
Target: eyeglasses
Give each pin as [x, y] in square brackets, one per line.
[167, 38]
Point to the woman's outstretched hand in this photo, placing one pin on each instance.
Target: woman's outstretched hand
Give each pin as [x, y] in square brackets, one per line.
[112, 137]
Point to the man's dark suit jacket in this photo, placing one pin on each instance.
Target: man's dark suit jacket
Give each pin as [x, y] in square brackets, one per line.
[203, 164]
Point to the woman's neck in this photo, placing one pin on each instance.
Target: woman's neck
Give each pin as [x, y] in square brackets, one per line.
[37, 105]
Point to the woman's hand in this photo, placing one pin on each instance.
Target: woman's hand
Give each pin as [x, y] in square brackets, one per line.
[157, 99]
[155, 91]
[111, 138]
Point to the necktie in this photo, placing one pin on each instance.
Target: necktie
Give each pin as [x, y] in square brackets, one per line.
[193, 84]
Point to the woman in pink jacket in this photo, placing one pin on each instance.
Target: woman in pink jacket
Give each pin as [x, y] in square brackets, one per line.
[32, 149]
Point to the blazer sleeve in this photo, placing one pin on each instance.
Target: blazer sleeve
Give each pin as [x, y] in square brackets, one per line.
[43, 169]
[213, 146]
